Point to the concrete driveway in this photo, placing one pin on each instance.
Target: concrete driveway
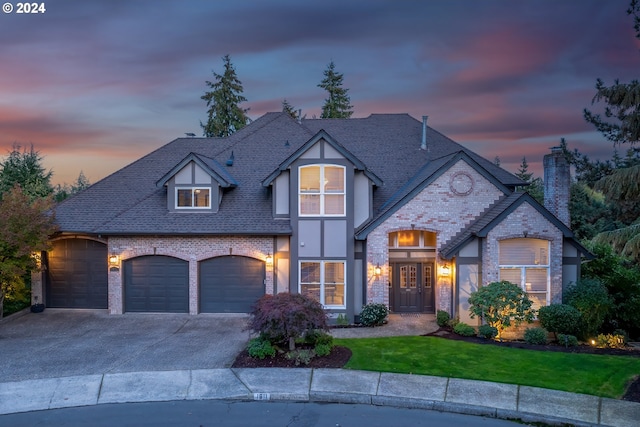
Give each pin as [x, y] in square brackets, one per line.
[61, 343]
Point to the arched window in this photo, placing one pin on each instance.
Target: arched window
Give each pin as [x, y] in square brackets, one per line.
[526, 262]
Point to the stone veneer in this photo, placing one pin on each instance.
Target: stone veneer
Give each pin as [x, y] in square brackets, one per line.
[189, 248]
[436, 209]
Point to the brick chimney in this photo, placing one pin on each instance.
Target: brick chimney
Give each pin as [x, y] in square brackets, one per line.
[557, 181]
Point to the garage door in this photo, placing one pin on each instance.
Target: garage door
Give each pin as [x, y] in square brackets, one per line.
[156, 284]
[230, 284]
[77, 274]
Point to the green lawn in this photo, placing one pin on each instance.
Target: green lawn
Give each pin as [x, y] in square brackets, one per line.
[598, 375]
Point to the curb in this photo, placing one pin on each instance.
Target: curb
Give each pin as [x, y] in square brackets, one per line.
[480, 398]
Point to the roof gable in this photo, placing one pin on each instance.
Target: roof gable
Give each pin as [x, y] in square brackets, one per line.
[209, 165]
[495, 214]
[426, 175]
[322, 135]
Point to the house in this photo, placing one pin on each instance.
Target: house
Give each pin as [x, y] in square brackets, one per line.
[381, 209]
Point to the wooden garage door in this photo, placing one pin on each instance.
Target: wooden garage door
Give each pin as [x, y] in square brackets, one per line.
[156, 284]
[230, 284]
[77, 275]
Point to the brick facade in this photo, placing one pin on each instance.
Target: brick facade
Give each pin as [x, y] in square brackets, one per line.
[436, 209]
[525, 220]
[191, 249]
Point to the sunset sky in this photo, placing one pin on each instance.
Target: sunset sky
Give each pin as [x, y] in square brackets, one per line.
[96, 84]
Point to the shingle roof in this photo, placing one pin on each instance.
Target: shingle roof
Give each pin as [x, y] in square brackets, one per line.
[494, 214]
[387, 145]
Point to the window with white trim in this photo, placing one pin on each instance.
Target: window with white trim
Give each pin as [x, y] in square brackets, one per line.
[525, 262]
[324, 282]
[193, 198]
[321, 190]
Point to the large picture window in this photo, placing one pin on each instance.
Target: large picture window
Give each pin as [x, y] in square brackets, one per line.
[193, 198]
[321, 190]
[526, 262]
[324, 282]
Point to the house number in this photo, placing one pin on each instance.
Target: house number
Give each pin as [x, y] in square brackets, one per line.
[261, 396]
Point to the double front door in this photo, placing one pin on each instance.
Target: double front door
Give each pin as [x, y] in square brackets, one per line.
[411, 284]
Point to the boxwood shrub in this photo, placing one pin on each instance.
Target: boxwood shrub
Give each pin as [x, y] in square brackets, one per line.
[373, 314]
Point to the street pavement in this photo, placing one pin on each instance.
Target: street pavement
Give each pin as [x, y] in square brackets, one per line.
[64, 358]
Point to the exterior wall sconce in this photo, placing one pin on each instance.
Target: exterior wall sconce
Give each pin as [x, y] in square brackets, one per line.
[114, 262]
[269, 259]
[377, 270]
[37, 257]
[445, 270]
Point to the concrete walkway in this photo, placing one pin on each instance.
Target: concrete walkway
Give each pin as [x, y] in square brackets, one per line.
[62, 365]
[321, 385]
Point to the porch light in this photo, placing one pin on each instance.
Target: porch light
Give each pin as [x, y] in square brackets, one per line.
[269, 259]
[445, 270]
[377, 270]
[37, 258]
[113, 260]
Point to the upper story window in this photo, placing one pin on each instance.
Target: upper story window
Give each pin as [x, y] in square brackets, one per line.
[321, 190]
[525, 262]
[193, 198]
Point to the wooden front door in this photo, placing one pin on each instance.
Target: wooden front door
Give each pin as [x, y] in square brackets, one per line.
[412, 287]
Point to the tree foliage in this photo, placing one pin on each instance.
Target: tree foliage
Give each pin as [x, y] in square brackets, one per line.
[290, 110]
[285, 317]
[621, 122]
[591, 298]
[65, 190]
[501, 304]
[224, 115]
[23, 166]
[535, 187]
[25, 227]
[621, 278]
[337, 105]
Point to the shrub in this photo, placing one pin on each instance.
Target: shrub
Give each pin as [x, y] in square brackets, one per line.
[487, 331]
[301, 356]
[342, 320]
[286, 317]
[260, 348]
[610, 341]
[567, 340]
[442, 318]
[536, 336]
[323, 349]
[560, 319]
[501, 303]
[464, 330]
[316, 337]
[591, 299]
[373, 314]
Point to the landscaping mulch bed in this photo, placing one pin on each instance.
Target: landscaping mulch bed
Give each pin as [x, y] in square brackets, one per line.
[340, 356]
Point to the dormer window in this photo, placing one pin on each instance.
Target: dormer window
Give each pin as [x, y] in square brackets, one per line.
[321, 190]
[193, 198]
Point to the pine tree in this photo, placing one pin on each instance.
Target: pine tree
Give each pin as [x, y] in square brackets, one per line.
[288, 108]
[224, 115]
[337, 106]
[24, 167]
[535, 187]
[622, 102]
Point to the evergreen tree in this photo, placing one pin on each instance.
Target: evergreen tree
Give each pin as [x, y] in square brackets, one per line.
[24, 167]
[224, 115]
[622, 102]
[337, 105]
[535, 187]
[65, 190]
[288, 108]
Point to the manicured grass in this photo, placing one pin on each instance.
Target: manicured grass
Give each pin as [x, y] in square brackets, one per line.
[598, 375]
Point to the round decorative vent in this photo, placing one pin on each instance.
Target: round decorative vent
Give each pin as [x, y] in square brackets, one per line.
[461, 183]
